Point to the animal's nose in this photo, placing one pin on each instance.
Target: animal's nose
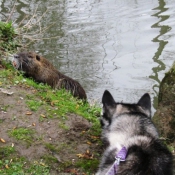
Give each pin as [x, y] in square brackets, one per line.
[16, 56]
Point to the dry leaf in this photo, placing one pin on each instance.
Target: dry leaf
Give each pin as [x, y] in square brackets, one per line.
[7, 167]
[89, 143]
[95, 137]
[42, 115]
[2, 140]
[72, 171]
[28, 113]
[86, 155]
[80, 155]
[41, 163]
[33, 91]
[52, 103]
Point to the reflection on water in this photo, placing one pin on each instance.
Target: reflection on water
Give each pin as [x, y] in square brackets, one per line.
[162, 43]
[124, 46]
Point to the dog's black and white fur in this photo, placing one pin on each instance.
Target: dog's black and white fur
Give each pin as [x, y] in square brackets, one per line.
[130, 125]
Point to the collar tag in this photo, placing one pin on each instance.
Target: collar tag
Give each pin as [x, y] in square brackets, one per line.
[117, 160]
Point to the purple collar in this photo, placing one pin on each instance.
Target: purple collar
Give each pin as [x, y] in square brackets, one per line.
[121, 156]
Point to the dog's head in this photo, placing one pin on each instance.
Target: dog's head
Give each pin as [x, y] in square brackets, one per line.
[111, 109]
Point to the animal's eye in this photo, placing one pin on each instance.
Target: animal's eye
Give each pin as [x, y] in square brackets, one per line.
[38, 57]
[30, 56]
[16, 56]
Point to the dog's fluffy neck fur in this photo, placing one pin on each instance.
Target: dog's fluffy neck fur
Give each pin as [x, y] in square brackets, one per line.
[131, 136]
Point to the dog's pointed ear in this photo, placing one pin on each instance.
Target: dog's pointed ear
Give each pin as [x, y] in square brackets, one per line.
[107, 98]
[108, 105]
[145, 102]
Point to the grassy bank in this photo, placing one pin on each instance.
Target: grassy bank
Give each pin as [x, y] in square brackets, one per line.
[45, 131]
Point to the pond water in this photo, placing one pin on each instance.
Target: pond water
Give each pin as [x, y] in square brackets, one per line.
[125, 46]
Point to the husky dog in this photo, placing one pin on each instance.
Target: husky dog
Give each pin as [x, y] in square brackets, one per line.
[132, 142]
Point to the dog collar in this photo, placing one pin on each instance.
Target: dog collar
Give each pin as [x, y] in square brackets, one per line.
[121, 156]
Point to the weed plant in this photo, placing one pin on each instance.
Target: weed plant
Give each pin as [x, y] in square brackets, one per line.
[8, 41]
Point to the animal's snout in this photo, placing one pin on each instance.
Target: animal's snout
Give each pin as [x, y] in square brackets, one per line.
[15, 61]
[16, 56]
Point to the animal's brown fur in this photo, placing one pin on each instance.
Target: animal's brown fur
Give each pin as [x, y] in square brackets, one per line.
[41, 70]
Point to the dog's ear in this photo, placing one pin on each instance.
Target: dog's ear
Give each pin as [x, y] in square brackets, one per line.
[107, 98]
[108, 104]
[145, 102]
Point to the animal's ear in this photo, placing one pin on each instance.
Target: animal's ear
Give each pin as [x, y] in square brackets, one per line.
[107, 98]
[108, 105]
[38, 57]
[145, 102]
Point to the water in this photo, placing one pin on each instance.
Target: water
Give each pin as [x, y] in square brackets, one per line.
[125, 46]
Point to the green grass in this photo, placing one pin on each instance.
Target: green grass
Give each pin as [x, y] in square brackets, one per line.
[6, 151]
[49, 159]
[19, 166]
[4, 108]
[22, 134]
[63, 126]
[12, 164]
[34, 104]
[51, 147]
[88, 165]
